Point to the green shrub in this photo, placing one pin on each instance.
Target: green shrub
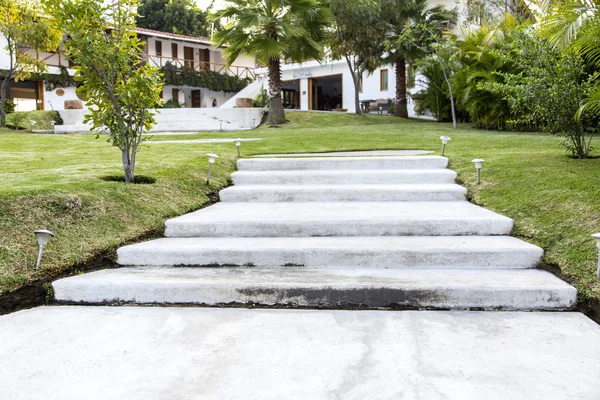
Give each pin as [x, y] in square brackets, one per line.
[9, 106]
[172, 104]
[261, 100]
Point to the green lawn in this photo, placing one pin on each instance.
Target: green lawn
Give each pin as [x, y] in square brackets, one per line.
[54, 182]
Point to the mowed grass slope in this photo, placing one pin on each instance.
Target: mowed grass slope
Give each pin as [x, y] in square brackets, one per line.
[53, 181]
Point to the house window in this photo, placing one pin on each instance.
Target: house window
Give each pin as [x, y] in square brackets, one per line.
[174, 51]
[175, 95]
[383, 80]
[410, 76]
[158, 48]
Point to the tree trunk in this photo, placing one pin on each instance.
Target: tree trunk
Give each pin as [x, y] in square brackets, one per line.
[276, 112]
[3, 91]
[357, 93]
[128, 166]
[451, 98]
[401, 103]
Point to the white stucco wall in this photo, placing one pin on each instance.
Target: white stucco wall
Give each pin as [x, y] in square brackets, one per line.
[371, 83]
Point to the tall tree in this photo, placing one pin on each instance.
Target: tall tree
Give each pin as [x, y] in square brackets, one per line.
[272, 30]
[415, 25]
[121, 90]
[175, 16]
[21, 28]
[360, 27]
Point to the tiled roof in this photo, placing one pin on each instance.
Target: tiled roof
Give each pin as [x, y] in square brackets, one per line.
[152, 32]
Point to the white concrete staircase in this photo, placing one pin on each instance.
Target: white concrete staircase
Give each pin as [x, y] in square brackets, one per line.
[333, 232]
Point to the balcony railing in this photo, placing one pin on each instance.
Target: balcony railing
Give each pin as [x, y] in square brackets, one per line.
[58, 59]
[233, 70]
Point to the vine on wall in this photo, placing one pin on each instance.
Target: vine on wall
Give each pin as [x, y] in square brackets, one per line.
[211, 80]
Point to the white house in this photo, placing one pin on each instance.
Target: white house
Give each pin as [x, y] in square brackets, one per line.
[328, 85]
[57, 91]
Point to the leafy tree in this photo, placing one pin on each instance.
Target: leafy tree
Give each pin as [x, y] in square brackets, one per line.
[438, 68]
[480, 64]
[176, 16]
[546, 89]
[489, 12]
[21, 27]
[360, 27]
[272, 30]
[121, 90]
[415, 25]
[574, 25]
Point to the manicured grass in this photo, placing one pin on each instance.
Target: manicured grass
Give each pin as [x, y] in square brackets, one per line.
[54, 181]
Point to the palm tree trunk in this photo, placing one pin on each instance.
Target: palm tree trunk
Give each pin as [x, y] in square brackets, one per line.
[276, 113]
[401, 104]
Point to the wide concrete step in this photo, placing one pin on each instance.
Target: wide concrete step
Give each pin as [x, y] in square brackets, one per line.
[380, 192]
[391, 176]
[342, 163]
[451, 218]
[321, 287]
[373, 252]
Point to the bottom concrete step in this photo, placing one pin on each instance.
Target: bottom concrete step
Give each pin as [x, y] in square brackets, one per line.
[322, 287]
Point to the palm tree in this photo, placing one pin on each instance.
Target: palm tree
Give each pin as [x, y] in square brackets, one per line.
[272, 30]
[575, 25]
[415, 25]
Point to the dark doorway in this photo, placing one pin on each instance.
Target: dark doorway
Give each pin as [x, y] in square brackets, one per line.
[290, 92]
[196, 99]
[188, 57]
[325, 93]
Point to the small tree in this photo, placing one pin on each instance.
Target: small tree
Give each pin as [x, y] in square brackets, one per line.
[360, 27]
[121, 90]
[272, 30]
[21, 27]
[442, 61]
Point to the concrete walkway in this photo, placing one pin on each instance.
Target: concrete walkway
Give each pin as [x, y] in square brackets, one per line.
[329, 233]
[97, 353]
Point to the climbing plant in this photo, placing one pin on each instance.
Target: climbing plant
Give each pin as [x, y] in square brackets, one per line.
[211, 80]
[62, 80]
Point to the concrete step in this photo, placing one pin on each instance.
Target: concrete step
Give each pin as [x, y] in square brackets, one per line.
[309, 193]
[342, 163]
[322, 287]
[343, 177]
[374, 252]
[452, 218]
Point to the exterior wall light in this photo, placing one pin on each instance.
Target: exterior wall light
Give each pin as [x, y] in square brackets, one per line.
[211, 160]
[596, 236]
[445, 140]
[238, 143]
[478, 164]
[42, 237]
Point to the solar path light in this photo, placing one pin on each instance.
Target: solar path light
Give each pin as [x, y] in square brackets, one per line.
[238, 143]
[445, 140]
[31, 124]
[478, 164]
[42, 237]
[211, 160]
[596, 236]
